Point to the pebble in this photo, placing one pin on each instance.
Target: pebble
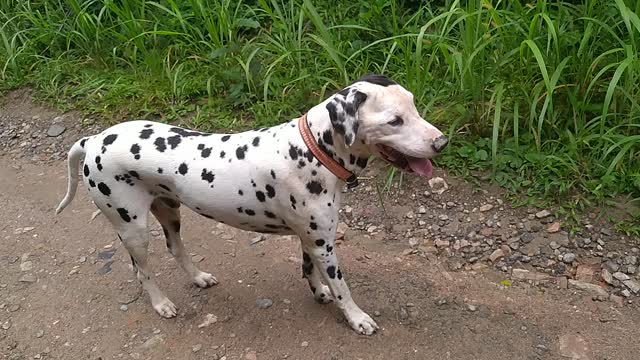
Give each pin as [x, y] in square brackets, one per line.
[634, 286]
[208, 320]
[486, 207]
[55, 129]
[472, 308]
[497, 254]
[197, 258]
[14, 307]
[40, 334]
[28, 278]
[606, 276]
[543, 214]
[124, 307]
[620, 276]
[251, 355]
[196, 348]
[591, 288]
[26, 266]
[304, 344]
[568, 258]
[264, 303]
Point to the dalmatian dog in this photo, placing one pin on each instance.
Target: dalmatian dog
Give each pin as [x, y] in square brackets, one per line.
[266, 181]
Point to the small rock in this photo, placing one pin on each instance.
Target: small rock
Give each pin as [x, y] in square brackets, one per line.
[554, 245]
[443, 217]
[472, 308]
[621, 276]
[208, 320]
[28, 278]
[14, 307]
[563, 282]
[568, 258]
[554, 227]
[341, 230]
[591, 288]
[543, 214]
[523, 274]
[26, 266]
[196, 348]
[258, 239]
[251, 355]
[264, 303]
[422, 210]
[55, 130]
[40, 334]
[497, 254]
[625, 293]
[606, 276]
[6, 325]
[124, 307]
[574, 347]
[634, 286]
[438, 185]
[441, 243]
[304, 344]
[486, 207]
[197, 258]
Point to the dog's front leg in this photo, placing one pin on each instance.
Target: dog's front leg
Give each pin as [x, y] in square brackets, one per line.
[323, 256]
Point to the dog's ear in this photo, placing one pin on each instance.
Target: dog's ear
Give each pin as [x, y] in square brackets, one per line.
[343, 112]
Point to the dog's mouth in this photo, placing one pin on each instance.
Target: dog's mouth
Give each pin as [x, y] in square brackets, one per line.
[410, 164]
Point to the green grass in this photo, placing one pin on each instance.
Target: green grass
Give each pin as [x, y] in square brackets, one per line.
[545, 95]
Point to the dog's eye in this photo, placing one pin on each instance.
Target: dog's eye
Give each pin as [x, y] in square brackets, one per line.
[396, 122]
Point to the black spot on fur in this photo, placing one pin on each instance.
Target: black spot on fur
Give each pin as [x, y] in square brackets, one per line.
[174, 141]
[313, 226]
[331, 271]
[146, 133]
[225, 138]
[307, 267]
[160, 170]
[273, 174]
[249, 212]
[241, 151]
[200, 146]
[271, 192]
[329, 249]
[86, 170]
[339, 297]
[240, 210]
[160, 144]
[269, 214]
[320, 242]
[260, 196]
[135, 150]
[207, 176]
[240, 192]
[327, 137]
[124, 214]
[301, 164]
[98, 164]
[134, 174]
[207, 216]
[376, 79]
[109, 139]
[104, 189]
[314, 173]
[187, 133]
[82, 142]
[183, 169]
[344, 92]
[108, 205]
[256, 141]
[293, 201]
[222, 153]
[339, 274]
[92, 183]
[293, 152]
[205, 152]
[314, 187]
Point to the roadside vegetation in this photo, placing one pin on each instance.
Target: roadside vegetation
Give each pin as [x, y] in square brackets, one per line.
[541, 97]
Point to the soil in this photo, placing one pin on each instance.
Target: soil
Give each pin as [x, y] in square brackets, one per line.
[67, 290]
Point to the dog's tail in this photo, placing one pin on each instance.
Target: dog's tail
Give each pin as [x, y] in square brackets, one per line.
[76, 153]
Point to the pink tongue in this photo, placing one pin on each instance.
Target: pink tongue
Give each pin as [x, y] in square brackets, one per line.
[421, 167]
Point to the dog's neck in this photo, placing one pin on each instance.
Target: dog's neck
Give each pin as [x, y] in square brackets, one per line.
[353, 158]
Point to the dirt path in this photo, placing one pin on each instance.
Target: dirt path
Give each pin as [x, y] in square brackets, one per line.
[64, 281]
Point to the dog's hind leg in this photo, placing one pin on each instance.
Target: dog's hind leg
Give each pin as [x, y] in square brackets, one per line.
[320, 291]
[167, 211]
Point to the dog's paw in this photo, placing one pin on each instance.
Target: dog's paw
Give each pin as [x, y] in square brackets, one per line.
[362, 323]
[166, 308]
[205, 280]
[323, 295]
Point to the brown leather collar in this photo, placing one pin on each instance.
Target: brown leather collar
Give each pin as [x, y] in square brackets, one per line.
[338, 170]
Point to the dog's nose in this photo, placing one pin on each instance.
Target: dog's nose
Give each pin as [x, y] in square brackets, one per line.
[440, 143]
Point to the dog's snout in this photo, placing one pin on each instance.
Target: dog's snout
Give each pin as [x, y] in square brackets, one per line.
[440, 143]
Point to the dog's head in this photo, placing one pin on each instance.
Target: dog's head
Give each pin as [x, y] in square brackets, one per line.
[380, 114]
